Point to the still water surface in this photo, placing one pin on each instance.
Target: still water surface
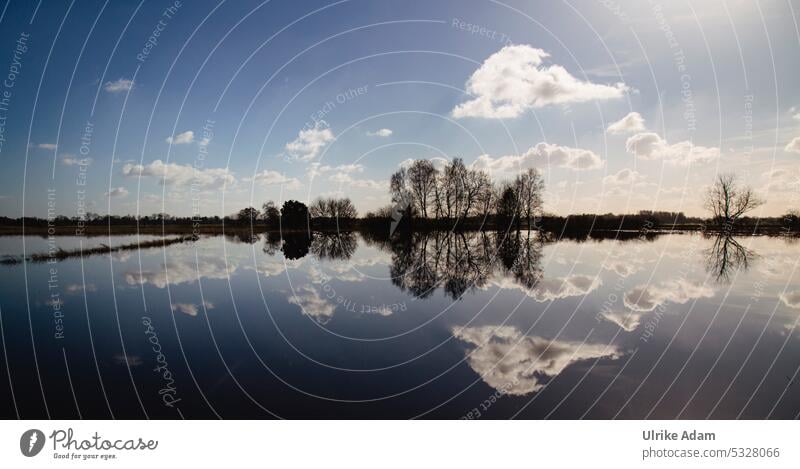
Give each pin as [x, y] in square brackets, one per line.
[442, 325]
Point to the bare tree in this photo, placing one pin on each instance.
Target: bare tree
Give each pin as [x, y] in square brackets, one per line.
[332, 208]
[421, 178]
[318, 208]
[529, 187]
[728, 201]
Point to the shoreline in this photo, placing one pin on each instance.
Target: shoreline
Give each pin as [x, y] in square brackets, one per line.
[222, 229]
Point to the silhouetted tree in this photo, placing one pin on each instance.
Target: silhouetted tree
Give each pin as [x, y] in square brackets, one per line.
[726, 255]
[728, 201]
[529, 187]
[270, 213]
[340, 245]
[507, 207]
[248, 215]
[421, 179]
[294, 214]
[296, 245]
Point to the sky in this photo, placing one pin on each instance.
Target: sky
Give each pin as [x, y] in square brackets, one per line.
[205, 107]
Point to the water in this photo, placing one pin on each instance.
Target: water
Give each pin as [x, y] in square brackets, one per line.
[439, 326]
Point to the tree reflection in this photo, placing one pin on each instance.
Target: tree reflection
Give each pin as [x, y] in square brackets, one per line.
[463, 261]
[331, 246]
[296, 245]
[725, 256]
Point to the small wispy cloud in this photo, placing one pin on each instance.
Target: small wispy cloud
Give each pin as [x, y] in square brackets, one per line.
[117, 192]
[381, 133]
[181, 138]
[118, 86]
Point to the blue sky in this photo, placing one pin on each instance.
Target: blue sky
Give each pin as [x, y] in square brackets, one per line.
[235, 103]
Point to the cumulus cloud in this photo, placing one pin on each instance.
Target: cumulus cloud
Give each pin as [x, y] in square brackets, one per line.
[181, 176]
[782, 180]
[650, 146]
[183, 269]
[541, 155]
[309, 142]
[516, 364]
[549, 289]
[649, 297]
[556, 288]
[438, 162]
[381, 133]
[793, 146]
[117, 192]
[633, 122]
[350, 181]
[190, 309]
[514, 80]
[274, 178]
[182, 138]
[316, 168]
[118, 86]
[623, 177]
[312, 304]
[621, 268]
[791, 299]
[628, 321]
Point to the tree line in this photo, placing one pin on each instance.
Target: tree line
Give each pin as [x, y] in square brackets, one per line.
[424, 196]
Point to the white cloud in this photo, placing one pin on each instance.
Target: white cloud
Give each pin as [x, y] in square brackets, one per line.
[650, 146]
[543, 154]
[513, 80]
[791, 299]
[190, 308]
[309, 142]
[182, 138]
[274, 178]
[71, 160]
[549, 289]
[633, 122]
[628, 321]
[623, 177]
[621, 268]
[381, 133]
[183, 268]
[312, 304]
[793, 146]
[437, 161]
[117, 192]
[782, 180]
[47, 146]
[347, 180]
[118, 85]
[181, 176]
[649, 297]
[556, 288]
[316, 168]
[516, 364]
